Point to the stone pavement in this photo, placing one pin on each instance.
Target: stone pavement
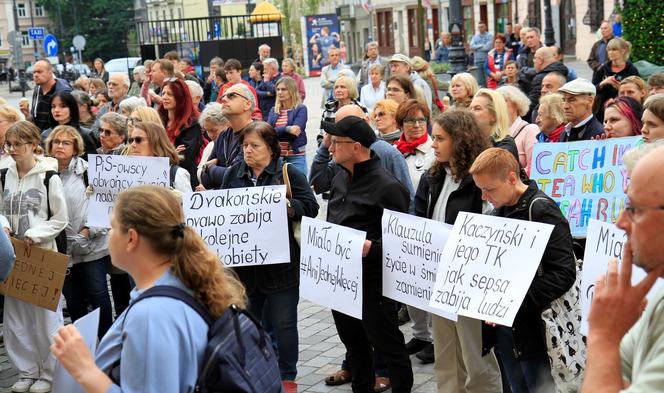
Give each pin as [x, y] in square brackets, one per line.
[321, 351]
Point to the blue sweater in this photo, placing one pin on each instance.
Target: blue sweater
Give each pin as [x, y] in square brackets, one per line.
[296, 117]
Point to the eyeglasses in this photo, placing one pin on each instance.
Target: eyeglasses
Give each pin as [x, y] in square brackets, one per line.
[336, 142]
[105, 131]
[58, 142]
[411, 121]
[232, 95]
[137, 139]
[633, 211]
[15, 146]
[379, 114]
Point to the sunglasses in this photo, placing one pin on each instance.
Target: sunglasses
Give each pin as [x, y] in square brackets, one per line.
[137, 139]
[105, 131]
[232, 95]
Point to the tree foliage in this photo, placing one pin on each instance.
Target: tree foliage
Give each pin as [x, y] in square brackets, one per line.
[643, 26]
[105, 24]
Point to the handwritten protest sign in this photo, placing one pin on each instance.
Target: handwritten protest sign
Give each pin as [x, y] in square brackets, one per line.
[586, 179]
[109, 175]
[37, 277]
[487, 266]
[88, 326]
[412, 251]
[604, 243]
[331, 266]
[245, 226]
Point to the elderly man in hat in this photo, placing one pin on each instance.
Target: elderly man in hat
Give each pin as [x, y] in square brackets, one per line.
[578, 96]
[358, 195]
[401, 64]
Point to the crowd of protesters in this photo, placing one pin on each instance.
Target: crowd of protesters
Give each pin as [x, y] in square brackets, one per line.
[388, 127]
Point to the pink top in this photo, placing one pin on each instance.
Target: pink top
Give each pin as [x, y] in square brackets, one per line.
[525, 137]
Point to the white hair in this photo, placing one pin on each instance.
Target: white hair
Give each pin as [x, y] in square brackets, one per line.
[131, 103]
[632, 157]
[516, 97]
[124, 79]
[194, 88]
[212, 112]
[140, 70]
[272, 62]
[263, 46]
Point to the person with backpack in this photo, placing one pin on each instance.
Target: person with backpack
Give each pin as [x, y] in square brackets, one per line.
[87, 247]
[150, 140]
[32, 209]
[159, 343]
[273, 290]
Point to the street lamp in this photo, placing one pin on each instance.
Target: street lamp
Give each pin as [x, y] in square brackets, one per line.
[457, 50]
[549, 39]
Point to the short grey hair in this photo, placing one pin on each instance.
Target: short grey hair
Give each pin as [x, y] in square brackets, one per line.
[124, 79]
[140, 70]
[131, 103]
[632, 157]
[212, 113]
[372, 43]
[194, 88]
[262, 46]
[516, 97]
[272, 62]
[218, 61]
[117, 122]
[247, 93]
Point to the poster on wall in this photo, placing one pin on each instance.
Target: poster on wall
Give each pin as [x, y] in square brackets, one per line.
[322, 33]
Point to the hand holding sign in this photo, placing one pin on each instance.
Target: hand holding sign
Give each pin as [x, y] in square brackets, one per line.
[617, 305]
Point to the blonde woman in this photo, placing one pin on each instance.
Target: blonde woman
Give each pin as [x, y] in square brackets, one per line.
[384, 117]
[28, 328]
[550, 118]
[289, 119]
[160, 344]
[490, 111]
[463, 87]
[635, 87]
[524, 133]
[8, 117]
[345, 93]
[608, 77]
[288, 68]
[142, 113]
[375, 89]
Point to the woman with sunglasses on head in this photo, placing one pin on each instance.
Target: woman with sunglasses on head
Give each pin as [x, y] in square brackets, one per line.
[24, 213]
[64, 109]
[289, 119]
[85, 283]
[150, 140]
[158, 346]
[112, 134]
[180, 119]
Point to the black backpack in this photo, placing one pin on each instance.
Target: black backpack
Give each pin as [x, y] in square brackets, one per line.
[238, 357]
[61, 239]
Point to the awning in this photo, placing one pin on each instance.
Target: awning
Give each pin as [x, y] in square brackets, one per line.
[265, 12]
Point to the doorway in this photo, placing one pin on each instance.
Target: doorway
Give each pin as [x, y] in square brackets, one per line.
[568, 26]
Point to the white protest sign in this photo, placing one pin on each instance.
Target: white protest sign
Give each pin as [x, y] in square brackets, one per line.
[88, 327]
[487, 266]
[331, 266]
[109, 175]
[245, 226]
[604, 242]
[412, 251]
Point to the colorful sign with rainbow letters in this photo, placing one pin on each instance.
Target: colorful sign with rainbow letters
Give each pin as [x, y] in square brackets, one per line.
[586, 179]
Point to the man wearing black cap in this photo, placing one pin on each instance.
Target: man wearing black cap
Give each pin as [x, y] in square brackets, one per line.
[358, 195]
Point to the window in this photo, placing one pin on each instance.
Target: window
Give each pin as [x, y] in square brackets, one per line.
[25, 40]
[22, 11]
[468, 29]
[502, 14]
[39, 10]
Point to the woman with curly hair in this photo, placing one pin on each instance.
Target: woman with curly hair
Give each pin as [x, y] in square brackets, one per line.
[445, 190]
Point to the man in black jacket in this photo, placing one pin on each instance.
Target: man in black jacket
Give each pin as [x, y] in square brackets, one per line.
[521, 349]
[545, 63]
[578, 96]
[47, 85]
[358, 194]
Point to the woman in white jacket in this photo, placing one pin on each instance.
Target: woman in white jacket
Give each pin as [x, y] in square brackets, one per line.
[23, 207]
[87, 247]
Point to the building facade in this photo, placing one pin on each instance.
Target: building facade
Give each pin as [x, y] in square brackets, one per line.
[29, 15]
[393, 23]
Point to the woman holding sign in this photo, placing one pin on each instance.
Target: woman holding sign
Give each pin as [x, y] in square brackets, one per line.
[24, 203]
[150, 140]
[87, 247]
[274, 286]
[159, 344]
[445, 190]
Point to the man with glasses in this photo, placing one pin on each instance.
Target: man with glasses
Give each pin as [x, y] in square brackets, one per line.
[237, 105]
[118, 87]
[578, 96]
[355, 203]
[233, 70]
[522, 352]
[626, 344]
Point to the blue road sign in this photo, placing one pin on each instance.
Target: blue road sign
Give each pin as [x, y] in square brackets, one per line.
[36, 33]
[51, 45]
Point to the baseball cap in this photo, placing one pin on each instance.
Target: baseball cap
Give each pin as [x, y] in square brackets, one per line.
[401, 58]
[352, 127]
[578, 86]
